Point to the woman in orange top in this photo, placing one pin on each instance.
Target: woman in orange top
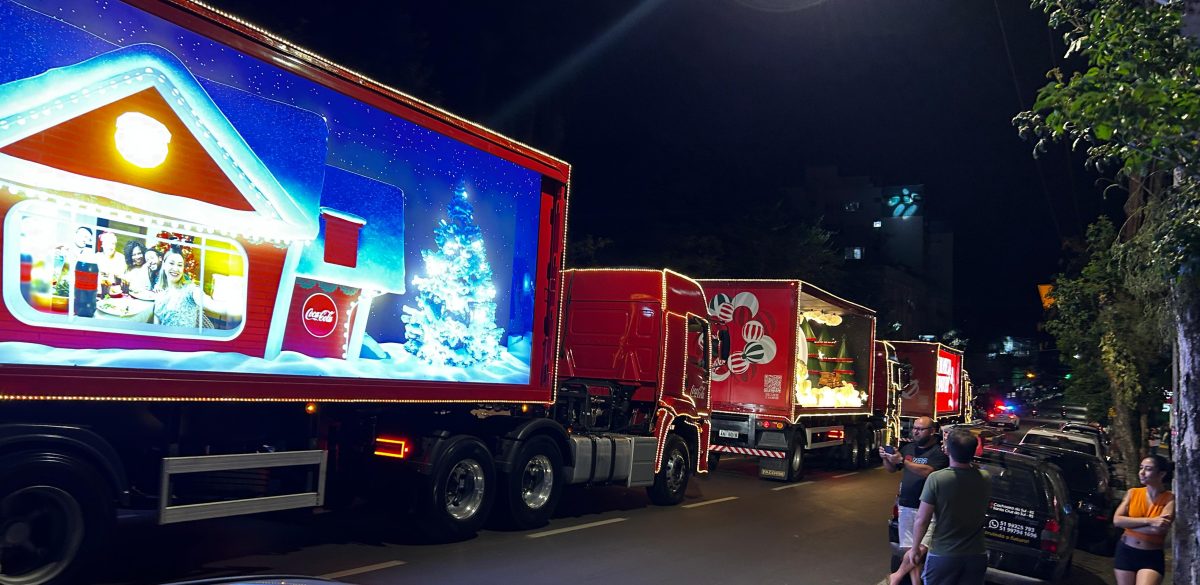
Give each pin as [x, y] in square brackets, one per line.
[1145, 514]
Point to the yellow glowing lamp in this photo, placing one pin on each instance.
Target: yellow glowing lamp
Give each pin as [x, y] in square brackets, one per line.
[141, 140]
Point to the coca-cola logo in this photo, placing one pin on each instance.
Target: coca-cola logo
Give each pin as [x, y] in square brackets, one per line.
[319, 315]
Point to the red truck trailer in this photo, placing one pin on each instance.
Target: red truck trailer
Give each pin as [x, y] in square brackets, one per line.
[935, 384]
[793, 375]
[236, 277]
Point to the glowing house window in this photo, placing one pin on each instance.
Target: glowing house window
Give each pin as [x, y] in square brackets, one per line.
[120, 273]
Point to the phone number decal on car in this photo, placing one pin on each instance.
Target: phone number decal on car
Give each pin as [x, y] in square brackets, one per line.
[1003, 529]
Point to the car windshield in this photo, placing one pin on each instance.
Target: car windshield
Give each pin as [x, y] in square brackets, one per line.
[1060, 442]
[1013, 484]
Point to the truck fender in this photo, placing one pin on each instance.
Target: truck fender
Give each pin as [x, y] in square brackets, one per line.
[511, 441]
[695, 434]
[663, 427]
[57, 440]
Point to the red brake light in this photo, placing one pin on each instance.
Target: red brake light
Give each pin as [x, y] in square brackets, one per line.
[1050, 536]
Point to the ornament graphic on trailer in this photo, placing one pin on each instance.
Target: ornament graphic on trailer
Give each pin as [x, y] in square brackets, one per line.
[454, 322]
[757, 346]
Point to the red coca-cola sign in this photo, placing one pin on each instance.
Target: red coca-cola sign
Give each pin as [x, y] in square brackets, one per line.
[319, 315]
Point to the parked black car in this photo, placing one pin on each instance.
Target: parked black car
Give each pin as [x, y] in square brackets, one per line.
[1032, 524]
[1089, 482]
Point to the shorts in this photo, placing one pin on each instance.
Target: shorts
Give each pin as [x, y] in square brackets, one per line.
[955, 570]
[905, 524]
[1136, 559]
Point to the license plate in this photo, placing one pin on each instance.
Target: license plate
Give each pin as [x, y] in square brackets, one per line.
[724, 434]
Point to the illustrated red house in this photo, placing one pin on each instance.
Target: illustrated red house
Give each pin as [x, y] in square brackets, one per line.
[129, 142]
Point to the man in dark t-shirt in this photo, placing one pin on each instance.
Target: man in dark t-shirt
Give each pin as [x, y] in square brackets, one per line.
[920, 457]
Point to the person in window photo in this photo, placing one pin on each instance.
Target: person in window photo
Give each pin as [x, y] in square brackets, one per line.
[179, 302]
[111, 263]
[151, 272]
[134, 277]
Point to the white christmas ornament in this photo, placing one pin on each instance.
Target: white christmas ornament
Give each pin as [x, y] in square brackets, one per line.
[761, 351]
[752, 331]
[748, 300]
[738, 363]
[714, 304]
[725, 312]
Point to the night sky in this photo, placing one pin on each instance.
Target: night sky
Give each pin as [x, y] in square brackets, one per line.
[664, 105]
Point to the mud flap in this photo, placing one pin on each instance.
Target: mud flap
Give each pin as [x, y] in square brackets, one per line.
[772, 468]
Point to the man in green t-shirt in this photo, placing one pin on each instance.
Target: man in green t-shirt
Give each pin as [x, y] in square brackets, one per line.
[958, 496]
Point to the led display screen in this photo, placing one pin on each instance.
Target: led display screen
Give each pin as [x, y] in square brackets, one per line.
[169, 202]
[949, 376]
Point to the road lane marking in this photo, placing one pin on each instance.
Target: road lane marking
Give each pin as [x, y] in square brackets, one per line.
[790, 486]
[707, 502]
[846, 474]
[360, 570]
[574, 528]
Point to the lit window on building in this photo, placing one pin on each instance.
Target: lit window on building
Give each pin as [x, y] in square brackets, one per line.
[854, 253]
[877, 224]
[851, 206]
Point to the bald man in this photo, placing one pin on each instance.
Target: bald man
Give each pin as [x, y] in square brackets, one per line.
[918, 458]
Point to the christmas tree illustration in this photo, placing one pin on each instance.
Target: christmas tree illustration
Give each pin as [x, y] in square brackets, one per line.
[454, 322]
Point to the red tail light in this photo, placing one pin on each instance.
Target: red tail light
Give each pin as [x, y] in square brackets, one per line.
[1051, 536]
[391, 447]
[835, 434]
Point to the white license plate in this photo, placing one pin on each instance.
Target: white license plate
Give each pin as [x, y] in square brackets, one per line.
[727, 434]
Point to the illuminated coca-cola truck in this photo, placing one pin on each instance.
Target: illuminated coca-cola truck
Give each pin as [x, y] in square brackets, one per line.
[793, 376]
[934, 383]
[236, 277]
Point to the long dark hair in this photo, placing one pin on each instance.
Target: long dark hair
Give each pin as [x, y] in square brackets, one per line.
[1163, 464]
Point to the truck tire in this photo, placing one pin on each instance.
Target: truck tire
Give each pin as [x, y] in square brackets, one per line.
[670, 483]
[795, 461]
[458, 493]
[531, 490]
[56, 515]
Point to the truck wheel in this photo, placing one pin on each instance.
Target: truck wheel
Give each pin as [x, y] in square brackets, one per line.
[458, 494]
[795, 461]
[670, 483]
[532, 488]
[55, 517]
[851, 449]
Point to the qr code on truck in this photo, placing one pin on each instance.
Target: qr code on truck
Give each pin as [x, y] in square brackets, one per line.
[772, 385]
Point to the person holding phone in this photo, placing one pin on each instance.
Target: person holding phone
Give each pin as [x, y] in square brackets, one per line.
[1146, 514]
[918, 458]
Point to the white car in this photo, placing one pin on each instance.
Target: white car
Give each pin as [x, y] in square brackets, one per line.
[1083, 443]
[1004, 415]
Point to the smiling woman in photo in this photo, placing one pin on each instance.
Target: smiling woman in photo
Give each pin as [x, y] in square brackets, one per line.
[180, 302]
